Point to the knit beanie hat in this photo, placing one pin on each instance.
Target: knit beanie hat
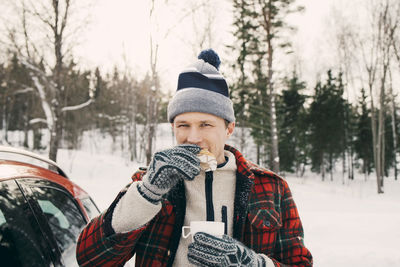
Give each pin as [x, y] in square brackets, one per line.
[201, 88]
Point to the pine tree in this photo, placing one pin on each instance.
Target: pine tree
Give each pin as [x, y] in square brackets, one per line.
[363, 142]
[291, 115]
[242, 87]
[21, 99]
[326, 125]
[260, 28]
[78, 81]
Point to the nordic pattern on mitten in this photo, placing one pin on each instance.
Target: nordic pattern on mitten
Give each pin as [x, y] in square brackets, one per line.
[167, 168]
[209, 250]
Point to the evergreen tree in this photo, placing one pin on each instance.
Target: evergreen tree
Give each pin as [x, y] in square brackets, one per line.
[78, 82]
[291, 115]
[326, 125]
[363, 141]
[259, 122]
[242, 88]
[21, 99]
[350, 128]
[260, 29]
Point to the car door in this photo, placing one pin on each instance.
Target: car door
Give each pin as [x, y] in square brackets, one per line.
[22, 242]
[60, 214]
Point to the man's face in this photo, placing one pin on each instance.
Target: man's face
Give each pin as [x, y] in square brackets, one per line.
[202, 129]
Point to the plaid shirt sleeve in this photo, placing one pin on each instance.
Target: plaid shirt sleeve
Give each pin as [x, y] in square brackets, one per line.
[99, 245]
[290, 249]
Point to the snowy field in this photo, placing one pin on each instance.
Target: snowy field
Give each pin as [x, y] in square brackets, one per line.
[345, 225]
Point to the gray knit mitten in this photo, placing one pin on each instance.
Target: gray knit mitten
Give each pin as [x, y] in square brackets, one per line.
[167, 168]
[208, 250]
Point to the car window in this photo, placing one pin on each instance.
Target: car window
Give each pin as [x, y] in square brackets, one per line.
[2, 218]
[21, 242]
[90, 207]
[64, 218]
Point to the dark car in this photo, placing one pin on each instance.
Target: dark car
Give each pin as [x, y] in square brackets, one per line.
[41, 212]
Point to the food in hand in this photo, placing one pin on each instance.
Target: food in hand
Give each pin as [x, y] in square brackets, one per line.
[208, 162]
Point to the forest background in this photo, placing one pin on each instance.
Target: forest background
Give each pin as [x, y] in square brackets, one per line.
[321, 106]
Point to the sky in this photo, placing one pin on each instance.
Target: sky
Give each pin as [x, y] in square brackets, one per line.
[119, 35]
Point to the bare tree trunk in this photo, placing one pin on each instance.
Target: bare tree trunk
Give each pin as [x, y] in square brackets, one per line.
[322, 167]
[371, 70]
[149, 151]
[271, 91]
[132, 136]
[331, 165]
[149, 141]
[55, 139]
[394, 131]
[242, 139]
[344, 166]
[44, 58]
[135, 155]
[274, 135]
[153, 94]
[5, 122]
[26, 132]
[381, 140]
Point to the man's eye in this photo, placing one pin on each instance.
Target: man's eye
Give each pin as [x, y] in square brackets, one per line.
[182, 125]
[206, 125]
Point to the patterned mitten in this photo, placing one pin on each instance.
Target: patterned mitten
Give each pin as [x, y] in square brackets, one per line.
[167, 168]
[208, 250]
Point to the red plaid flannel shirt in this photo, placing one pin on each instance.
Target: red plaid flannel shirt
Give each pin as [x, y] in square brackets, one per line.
[265, 219]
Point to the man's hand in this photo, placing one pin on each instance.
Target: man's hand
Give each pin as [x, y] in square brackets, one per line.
[208, 250]
[167, 168]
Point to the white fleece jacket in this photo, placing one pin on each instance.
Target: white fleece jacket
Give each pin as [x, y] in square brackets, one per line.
[223, 194]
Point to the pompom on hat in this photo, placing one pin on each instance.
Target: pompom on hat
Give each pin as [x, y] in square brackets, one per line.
[202, 88]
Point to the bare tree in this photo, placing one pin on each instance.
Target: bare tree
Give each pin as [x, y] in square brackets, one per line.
[157, 35]
[43, 37]
[272, 22]
[395, 42]
[346, 45]
[377, 60]
[204, 21]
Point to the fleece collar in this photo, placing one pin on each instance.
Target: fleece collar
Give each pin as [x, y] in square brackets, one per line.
[244, 167]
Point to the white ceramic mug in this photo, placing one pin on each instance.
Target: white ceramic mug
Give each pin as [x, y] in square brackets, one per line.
[209, 227]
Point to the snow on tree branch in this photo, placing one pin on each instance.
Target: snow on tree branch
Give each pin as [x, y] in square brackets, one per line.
[80, 106]
[37, 120]
[45, 104]
[23, 91]
[118, 118]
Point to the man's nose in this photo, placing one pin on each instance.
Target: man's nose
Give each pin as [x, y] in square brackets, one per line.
[194, 136]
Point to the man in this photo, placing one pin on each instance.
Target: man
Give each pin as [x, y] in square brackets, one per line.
[262, 225]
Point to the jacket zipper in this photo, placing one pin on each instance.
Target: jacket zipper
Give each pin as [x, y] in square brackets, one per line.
[224, 219]
[209, 199]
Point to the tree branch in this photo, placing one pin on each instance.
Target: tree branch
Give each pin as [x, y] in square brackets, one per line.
[23, 91]
[77, 107]
[37, 120]
[45, 104]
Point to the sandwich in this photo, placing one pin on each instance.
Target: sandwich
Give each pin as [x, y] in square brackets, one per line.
[208, 162]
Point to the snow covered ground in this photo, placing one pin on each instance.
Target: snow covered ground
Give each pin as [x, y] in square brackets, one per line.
[349, 225]
[345, 225]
